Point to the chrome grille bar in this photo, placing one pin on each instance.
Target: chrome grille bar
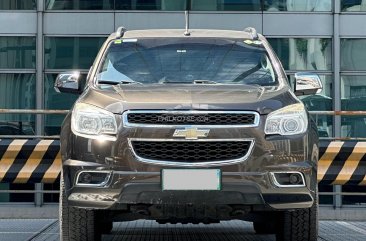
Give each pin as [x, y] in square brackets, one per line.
[191, 114]
[191, 164]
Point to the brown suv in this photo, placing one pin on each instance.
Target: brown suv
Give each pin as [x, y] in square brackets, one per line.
[188, 127]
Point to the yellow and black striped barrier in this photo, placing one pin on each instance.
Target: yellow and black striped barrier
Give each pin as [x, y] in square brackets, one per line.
[29, 161]
[342, 163]
[39, 161]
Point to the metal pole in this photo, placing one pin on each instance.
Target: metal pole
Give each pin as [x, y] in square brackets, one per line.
[39, 69]
[337, 199]
[38, 197]
[43, 112]
[338, 113]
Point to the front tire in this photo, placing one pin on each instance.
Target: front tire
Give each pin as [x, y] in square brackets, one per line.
[76, 224]
[299, 225]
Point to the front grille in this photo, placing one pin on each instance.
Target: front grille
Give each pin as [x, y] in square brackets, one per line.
[191, 151]
[182, 118]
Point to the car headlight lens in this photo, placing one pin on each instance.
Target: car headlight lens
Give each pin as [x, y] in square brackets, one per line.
[91, 121]
[290, 120]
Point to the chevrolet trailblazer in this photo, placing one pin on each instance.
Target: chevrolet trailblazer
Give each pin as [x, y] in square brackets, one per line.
[188, 127]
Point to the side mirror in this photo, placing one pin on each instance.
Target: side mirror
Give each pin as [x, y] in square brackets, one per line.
[68, 82]
[307, 84]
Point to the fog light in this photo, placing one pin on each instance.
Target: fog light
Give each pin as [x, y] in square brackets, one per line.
[295, 178]
[93, 178]
[85, 178]
[288, 179]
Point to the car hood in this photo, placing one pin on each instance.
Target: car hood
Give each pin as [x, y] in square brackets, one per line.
[120, 98]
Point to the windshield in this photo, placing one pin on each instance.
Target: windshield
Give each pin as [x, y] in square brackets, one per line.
[186, 60]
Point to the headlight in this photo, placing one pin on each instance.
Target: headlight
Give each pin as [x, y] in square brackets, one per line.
[92, 122]
[290, 120]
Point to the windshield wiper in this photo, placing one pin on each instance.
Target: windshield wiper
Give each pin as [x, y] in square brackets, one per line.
[247, 73]
[126, 82]
[196, 82]
[122, 82]
[204, 82]
[173, 82]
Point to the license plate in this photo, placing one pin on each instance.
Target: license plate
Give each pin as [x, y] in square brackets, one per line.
[191, 179]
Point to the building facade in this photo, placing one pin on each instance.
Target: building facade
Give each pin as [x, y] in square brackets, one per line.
[40, 38]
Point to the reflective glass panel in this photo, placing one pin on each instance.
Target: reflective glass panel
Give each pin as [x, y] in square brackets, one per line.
[354, 199]
[16, 197]
[142, 4]
[17, 52]
[353, 54]
[56, 101]
[353, 98]
[79, 4]
[18, 5]
[225, 5]
[303, 53]
[51, 197]
[17, 91]
[164, 5]
[353, 5]
[71, 52]
[325, 199]
[298, 5]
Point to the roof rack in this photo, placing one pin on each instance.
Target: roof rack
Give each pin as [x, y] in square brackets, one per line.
[120, 32]
[252, 31]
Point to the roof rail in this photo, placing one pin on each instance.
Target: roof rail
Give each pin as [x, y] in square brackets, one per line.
[252, 31]
[186, 32]
[120, 32]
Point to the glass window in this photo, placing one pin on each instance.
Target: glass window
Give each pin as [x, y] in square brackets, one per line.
[319, 102]
[298, 5]
[226, 5]
[79, 4]
[325, 199]
[303, 53]
[17, 91]
[51, 197]
[16, 197]
[71, 52]
[353, 54]
[18, 4]
[181, 60]
[140, 4]
[176, 5]
[354, 199]
[17, 52]
[353, 5]
[56, 101]
[353, 98]
[165, 5]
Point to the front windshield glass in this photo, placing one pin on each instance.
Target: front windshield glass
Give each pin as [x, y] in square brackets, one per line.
[186, 60]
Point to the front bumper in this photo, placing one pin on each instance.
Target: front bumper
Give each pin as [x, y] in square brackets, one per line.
[238, 188]
[245, 183]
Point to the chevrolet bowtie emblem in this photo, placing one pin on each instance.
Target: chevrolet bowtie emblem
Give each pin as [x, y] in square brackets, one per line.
[191, 133]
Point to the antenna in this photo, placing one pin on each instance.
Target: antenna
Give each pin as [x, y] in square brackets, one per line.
[186, 13]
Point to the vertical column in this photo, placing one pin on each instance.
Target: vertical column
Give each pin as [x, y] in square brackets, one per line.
[39, 66]
[337, 199]
[38, 198]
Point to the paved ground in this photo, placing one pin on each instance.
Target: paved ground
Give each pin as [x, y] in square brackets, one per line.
[47, 230]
